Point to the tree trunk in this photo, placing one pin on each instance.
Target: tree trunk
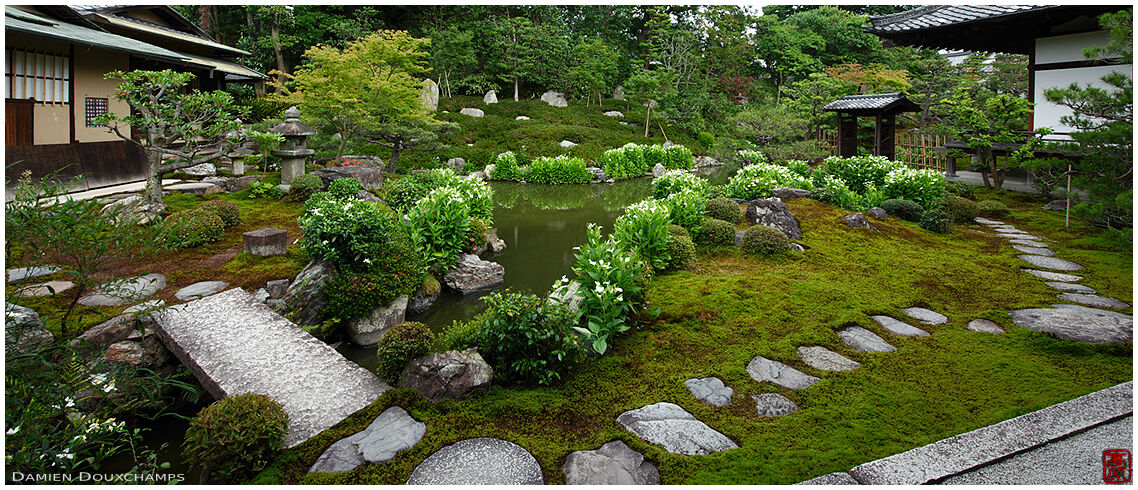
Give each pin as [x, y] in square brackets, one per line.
[340, 149]
[646, 118]
[997, 179]
[153, 191]
[276, 36]
[516, 89]
[393, 164]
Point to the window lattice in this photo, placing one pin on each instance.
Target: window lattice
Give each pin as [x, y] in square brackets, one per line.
[44, 77]
[95, 107]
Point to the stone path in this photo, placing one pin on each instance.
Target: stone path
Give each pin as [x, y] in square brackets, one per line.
[1053, 276]
[825, 359]
[613, 464]
[392, 431]
[19, 274]
[674, 429]
[762, 369]
[924, 315]
[200, 290]
[125, 291]
[984, 325]
[710, 390]
[898, 327]
[1050, 262]
[774, 405]
[860, 339]
[479, 461]
[44, 289]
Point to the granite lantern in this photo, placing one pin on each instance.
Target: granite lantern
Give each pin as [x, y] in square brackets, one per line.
[240, 151]
[292, 152]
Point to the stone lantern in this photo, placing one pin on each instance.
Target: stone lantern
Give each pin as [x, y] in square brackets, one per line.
[292, 152]
[237, 156]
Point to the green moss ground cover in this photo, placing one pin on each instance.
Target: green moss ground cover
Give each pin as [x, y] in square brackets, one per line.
[714, 319]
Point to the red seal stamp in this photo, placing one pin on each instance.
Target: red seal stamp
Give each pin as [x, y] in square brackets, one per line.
[1116, 466]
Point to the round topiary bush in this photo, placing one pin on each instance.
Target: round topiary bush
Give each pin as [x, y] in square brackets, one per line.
[190, 228]
[765, 240]
[228, 212]
[304, 186]
[724, 209]
[682, 252]
[677, 230]
[903, 208]
[236, 437]
[963, 210]
[345, 187]
[993, 209]
[936, 220]
[399, 346]
[717, 232]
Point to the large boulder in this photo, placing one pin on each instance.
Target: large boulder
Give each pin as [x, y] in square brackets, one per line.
[555, 99]
[491, 97]
[304, 301]
[1056, 205]
[112, 331]
[472, 274]
[791, 193]
[147, 352]
[478, 461]
[370, 177]
[23, 330]
[368, 329]
[613, 464]
[706, 161]
[202, 170]
[456, 163]
[472, 112]
[420, 303]
[429, 97]
[877, 214]
[125, 291]
[571, 296]
[618, 93]
[658, 170]
[773, 212]
[133, 210]
[451, 374]
[858, 220]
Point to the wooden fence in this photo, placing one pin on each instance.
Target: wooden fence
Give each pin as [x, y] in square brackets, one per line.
[913, 148]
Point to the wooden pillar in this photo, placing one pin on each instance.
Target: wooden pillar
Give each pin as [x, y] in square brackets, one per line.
[847, 135]
[883, 141]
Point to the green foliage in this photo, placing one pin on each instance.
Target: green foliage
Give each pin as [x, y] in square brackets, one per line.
[682, 252]
[350, 234]
[595, 68]
[402, 194]
[440, 227]
[612, 278]
[923, 186]
[228, 212]
[857, 172]
[562, 169]
[717, 191]
[833, 190]
[764, 240]
[717, 232]
[992, 209]
[190, 229]
[623, 163]
[686, 208]
[678, 157]
[400, 345]
[236, 437]
[962, 189]
[677, 230]
[675, 181]
[352, 294]
[644, 228]
[304, 186]
[705, 138]
[262, 190]
[936, 220]
[452, 51]
[724, 209]
[903, 208]
[506, 167]
[527, 339]
[757, 180]
[963, 210]
[477, 195]
[345, 188]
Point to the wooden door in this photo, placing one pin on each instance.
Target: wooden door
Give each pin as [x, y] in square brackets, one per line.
[18, 122]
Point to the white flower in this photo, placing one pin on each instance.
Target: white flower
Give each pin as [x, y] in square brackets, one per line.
[620, 298]
[600, 289]
[12, 431]
[367, 261]
[98, 379]
[70, 402]
[109, 387]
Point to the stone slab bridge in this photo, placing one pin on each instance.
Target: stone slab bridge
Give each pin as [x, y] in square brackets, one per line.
[235, 344]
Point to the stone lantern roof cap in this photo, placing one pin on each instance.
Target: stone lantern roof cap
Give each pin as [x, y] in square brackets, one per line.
[292, 125]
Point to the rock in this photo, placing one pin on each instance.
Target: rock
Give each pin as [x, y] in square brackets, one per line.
[1050, 262]
[898, 327]
[265, 242]
[522, 118]
[677, 431]
[1034, 250]
[651, 104]
[451, 374]
[822, 358]
[284, 188]
[429, 97]
[370, 177]
[201, 189]
[774, 405]
[773, 212]
[392, 431]
[555, 99]
[1056, 205]
[146, 306]
[618, 93]
[497, 244]
[1077, 323]
[222, 182]
[797, 247]
[1018, 236]
[985, 221]
[477, 174]
[791, 193]
[598, 174]
[658, 170]
[710, 390]
[567, 144]
[1067, 287]
[19, 274]
[202, 170]
[863, 340]
[368, 161]
[1007, 229]
[456, 163]
[367, 329]
[304, 301]
[23, 330]
[112, 331]
[489, 170]
[237, 184]
[1053, 276]
[491, 97]
[49, 288]
[762, 369]
[984, 325]
[739, 234]
[420, 303]
[838, 478]
[147, 352]
[472, 274]
[573, 293]
[614, 114]
[613, 464]
[877, 214]
[136, 210]
[199, 290]
[1093, 300]
[479, 461]
[472, 112]
[125, 291]
[858, 220]
[706, 161]
[668, 144]
[261, 295]
[1028, 243]
[368, 196]
[277, 288]
[924, 315]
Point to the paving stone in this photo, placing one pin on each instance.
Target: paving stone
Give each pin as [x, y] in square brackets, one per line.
[925, 315]
[863, 340]
[898, 327]
[392, 431]
[822, 358]
[613, 464]
[1053, 276]
[200, 290]
[1046, 252]
[479, 461]
[49, 288]
[1077, 323]
[984, 325]
[762, 369]
[19, 274]
[838, 478]
[1093, 300]
[1028, 243]
[1067, 287]
[1018, 236]
[1050, 262]
[710, 390]
[125, 291]
[1007, 229]
[985, 221]
[773, 405]
[674, 429]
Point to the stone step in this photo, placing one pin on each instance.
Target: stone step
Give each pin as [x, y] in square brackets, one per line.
[674, 429]
[898, 327]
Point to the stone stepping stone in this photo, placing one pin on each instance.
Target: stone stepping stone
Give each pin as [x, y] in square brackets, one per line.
[674, 429]
[125, 291]
[1008, 229]
[151, 305]
[985, 221]
[1046, 252]
[392, 431]
[479, 461]
[1053, 276]
[762, 369]
[774, 405]
[1029, 243]
[898, 327]
[1067, 287]
[45, 289]
[1077, 323]
[200, 290]
[203, 189]
[21, 273]
[925, 315]
[1050, 262]
[863, 340]
[838, 478]
[1093, 300]
[1018, 236]
[826, 360]
[613, 464]
[710, 390]
[984, 325]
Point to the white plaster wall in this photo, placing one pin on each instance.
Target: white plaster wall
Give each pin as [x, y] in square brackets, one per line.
[1061, 49]
[1048, 114]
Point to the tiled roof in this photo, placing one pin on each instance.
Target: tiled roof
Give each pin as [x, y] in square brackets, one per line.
[932, 16]
[864, 102]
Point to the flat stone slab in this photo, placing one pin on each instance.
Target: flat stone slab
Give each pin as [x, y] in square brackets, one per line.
[898, 327]
[200, 290]
[986, 221]
[49, 288]
[925, 315]
[826, 359]
[673, 428]
[1028, 243]
[1093, 300]
[125, 291]
[773, 405]
[1050, 262]
[234, 344]
[762, 369]
[863, 340]
[1046, 252]
[613, 464]
[1067, 287]
[21, 273]
[710, 390]
[1018, 236]
[838, 478]
[1007, 229]
[963, 452]
[479, 461]
[196, 188]
[984, 325]
[1053, 276]
[392, 431]
[1077, 323]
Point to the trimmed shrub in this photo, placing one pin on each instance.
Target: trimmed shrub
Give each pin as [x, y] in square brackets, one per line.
[675, 181]
[678, 157]
[190, 228]
[682, 252]
[527, 339]
[351, 234]
[724, 209]
[717, 232]
[936, 220]
[562, 169]
[430, 286]
[228, 212]
[719, 190]
[304, 186]
[345, 188]
[403, 193]
[237, 436]
[677, 230]
[765, 240]
[707, 140]
[400, 345]
[963, 210]
[858, 171]
[476, 234]
[506, 167]
[993, 209]
[654, 155]
[352, 294]
[962, 189]
[903, 208]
